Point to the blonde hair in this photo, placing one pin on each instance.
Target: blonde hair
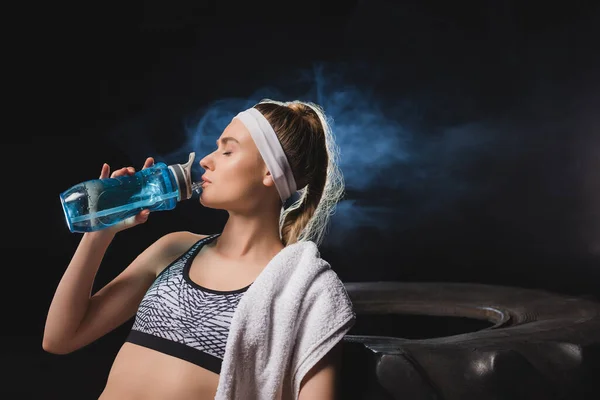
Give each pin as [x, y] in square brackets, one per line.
[308, 142]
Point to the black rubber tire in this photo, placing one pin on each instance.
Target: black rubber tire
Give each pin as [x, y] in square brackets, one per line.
[530, 344]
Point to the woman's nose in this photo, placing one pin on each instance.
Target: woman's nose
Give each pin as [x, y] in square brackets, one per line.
[204, 163]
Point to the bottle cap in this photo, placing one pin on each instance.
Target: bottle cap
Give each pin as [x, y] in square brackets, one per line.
[183, 176]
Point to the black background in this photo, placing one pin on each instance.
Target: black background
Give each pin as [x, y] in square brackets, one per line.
[500, 101]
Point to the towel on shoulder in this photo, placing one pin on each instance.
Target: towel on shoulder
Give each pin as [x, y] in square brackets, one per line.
[296, 310]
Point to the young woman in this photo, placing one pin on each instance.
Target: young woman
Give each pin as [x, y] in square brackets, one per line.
[252, 312]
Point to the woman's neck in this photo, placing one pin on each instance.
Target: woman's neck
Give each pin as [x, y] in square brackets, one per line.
[253, 238]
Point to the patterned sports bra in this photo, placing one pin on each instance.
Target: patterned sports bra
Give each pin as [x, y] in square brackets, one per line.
[183, 319]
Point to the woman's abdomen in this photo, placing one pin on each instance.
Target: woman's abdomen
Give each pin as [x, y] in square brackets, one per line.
[142, 373]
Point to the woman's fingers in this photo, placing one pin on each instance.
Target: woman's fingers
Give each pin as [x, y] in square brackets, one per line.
[105, 172]
[149, 162]
[123, 171]
[142, 216]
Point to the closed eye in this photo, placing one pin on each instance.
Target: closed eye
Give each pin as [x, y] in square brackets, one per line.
[225, 153]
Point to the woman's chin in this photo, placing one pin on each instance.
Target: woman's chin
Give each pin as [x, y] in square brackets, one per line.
[208, 204]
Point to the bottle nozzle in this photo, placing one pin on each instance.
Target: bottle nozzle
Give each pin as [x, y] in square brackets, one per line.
[197, 188]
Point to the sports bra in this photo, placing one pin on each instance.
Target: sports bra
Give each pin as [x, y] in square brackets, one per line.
[183, 319]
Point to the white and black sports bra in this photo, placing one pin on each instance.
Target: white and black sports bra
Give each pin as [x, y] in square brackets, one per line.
[183, 319]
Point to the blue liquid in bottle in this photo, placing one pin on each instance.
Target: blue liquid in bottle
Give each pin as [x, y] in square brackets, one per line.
[99, 203]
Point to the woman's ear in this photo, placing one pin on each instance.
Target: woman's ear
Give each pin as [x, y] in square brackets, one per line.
[268, 180]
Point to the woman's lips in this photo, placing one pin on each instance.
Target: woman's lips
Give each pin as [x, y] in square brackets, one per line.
[205, 179]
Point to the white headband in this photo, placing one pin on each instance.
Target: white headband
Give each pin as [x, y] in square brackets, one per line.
[271, 151]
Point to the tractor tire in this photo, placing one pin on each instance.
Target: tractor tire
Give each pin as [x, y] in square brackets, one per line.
[461, 341]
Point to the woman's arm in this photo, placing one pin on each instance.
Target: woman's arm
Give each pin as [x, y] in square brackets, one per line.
[322, 381]
[75, 319]
[71, 299]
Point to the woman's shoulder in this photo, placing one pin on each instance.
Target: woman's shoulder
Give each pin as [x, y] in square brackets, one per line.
[175, 243]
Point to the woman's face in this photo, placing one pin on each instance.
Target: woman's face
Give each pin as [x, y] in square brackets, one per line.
[238, 176]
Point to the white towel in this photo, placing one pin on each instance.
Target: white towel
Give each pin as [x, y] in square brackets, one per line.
[296, 310]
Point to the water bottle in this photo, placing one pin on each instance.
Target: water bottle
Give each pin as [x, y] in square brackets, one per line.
[99, 203]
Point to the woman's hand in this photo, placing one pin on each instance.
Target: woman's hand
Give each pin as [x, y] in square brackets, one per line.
[137, 219]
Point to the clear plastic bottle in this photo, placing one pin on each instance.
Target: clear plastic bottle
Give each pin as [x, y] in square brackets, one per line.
[99, 203]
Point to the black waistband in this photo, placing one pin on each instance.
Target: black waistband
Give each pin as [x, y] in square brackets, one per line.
[176, 349]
